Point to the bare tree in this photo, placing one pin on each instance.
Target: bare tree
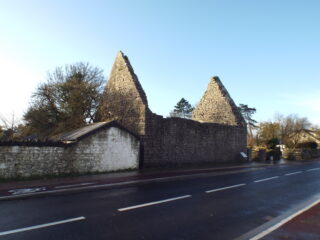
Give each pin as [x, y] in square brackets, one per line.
[9, 127]
[290, 126]
[68, 100]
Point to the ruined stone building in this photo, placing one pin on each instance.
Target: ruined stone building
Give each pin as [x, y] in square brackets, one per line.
[131, 136]
[216, 133]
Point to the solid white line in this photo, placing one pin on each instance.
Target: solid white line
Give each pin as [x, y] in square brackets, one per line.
[152, 203]
[266, 179]
[224, 188]
[74, 185]
[42, 226]
[312, 169]
[289, 174]
[274, 227]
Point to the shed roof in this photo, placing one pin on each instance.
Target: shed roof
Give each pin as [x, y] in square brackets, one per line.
[84, 131]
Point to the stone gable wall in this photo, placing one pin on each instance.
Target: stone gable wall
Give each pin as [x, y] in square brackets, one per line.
[218, 133]
[217, 106]
[124, 99]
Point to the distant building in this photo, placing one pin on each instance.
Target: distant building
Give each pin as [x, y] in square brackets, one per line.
[306, 135]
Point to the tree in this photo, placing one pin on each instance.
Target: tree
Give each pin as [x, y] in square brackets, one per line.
[182, 109]
[268, 132]
[286, 129]
[8, 130]
[247, 113]
[290, 127]
[67, 100]
[1, 132]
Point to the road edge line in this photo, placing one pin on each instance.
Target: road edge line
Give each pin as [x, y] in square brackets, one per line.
[277, 222]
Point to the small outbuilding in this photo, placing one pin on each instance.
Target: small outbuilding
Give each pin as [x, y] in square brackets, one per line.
[98, 147]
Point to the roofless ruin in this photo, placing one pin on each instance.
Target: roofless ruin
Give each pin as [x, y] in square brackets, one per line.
[216, 133]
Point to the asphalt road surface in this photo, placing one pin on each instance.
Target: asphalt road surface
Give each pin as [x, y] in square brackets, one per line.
[205, 207]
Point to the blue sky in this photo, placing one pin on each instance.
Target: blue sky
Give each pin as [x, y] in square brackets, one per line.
[267, 53]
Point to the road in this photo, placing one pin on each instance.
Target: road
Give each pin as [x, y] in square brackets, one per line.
[204, 207]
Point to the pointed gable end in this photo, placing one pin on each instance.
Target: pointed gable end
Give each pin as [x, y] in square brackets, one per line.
[216, 106]
[124, 99]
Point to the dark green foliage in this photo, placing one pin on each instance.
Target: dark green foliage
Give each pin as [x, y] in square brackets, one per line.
[273, 142]
[182, 109]
[247, 113]
[275, 154]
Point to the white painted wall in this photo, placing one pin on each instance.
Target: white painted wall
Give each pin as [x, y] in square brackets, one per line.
[121, 151]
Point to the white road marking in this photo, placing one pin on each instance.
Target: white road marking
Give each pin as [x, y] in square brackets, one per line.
[224, 188]
[313, 169]
[266, 179]
[74, 185]
[289, 174]
[152, 203]
[42, 226]
[107, 185]
[274, 227]
[26, 190]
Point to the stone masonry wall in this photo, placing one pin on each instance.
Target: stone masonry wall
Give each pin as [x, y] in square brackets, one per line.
[218, 132]
[177, 141]
[27, 161]
[107, 150]
[217, 106]
[124, 99]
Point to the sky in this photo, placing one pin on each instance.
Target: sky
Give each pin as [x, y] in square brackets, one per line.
[266, 52]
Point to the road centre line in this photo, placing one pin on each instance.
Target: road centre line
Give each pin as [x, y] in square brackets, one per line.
[153, 203]
[289, 174]
[42, 226]
[224, 188]
[265, 179]
[313, 169]
[74, 185]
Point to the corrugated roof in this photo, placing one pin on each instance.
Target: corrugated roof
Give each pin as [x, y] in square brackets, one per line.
[76, 134]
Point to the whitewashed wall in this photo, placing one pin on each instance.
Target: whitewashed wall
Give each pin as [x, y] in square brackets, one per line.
[108, 149]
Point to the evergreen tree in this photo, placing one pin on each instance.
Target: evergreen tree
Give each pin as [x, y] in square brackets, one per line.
[247, 113]
[182, 109]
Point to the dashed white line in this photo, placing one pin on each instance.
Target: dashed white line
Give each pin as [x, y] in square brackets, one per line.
[266, 179]
[42, 226]
[152, 203]
[224, 188]
[313, 169]
[293, 173]
[74, 185]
